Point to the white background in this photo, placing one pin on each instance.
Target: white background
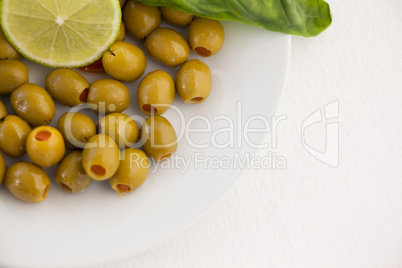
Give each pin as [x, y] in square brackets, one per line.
[311, 214]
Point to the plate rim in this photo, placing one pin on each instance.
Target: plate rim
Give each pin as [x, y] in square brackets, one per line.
[239, 174]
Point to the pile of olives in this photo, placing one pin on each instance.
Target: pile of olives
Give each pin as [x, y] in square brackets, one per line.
[103, 151]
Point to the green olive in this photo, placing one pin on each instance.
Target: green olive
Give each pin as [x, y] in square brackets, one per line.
[70, 174]
[121, 128]
[167, 46]
[132, 172]
[122, 2]
[108, 95]
[7, 51]
[2, 168]
[76, 129]
[67, 87]
[193, 81]
[176, 17]
[13, 74]
[45, 146]
[140, 20]
[122, 32]
[27, 182]
[101, 157]
[33, 104]
[158, 137]
[124, 61]
[156, 93]
[13, 135]
[205, 36]
[3, 110]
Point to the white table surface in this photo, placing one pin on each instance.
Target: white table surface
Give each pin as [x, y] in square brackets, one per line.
[311, 214]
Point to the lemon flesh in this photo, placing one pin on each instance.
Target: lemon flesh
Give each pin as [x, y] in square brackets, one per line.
[61, 33]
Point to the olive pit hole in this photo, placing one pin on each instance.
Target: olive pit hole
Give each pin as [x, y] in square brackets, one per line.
[149, 108]
[203, 51]
[43, 135]
[84, 95]
[66, 187]
[98, 170]
[165, 156]
[197, 99]
[123, 188]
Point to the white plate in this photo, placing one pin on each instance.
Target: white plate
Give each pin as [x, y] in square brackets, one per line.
[97, 226]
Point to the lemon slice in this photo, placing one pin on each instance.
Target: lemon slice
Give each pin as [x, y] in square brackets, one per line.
[61, 33]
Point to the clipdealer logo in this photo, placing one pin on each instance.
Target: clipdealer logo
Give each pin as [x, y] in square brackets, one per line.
[330, 154]
[235, 132]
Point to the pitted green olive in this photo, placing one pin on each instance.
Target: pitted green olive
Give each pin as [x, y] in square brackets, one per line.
[121, 128]
[206, 36]
[176, 17]
[7, 51]
[27, 182]
[167, 46]
[156, 93]
[76, 129]
[140, 20]
[13, 135]
[101, 157]
[33, 104]
[193, 81]
[132, 172]
[158, 137]
[45, 146]
[13, 74]
[67, 87]
[70, 174]
[108, 96]
[122, 32]
[124, 61]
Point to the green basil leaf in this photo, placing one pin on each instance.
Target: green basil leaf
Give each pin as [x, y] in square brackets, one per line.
[297, 17]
